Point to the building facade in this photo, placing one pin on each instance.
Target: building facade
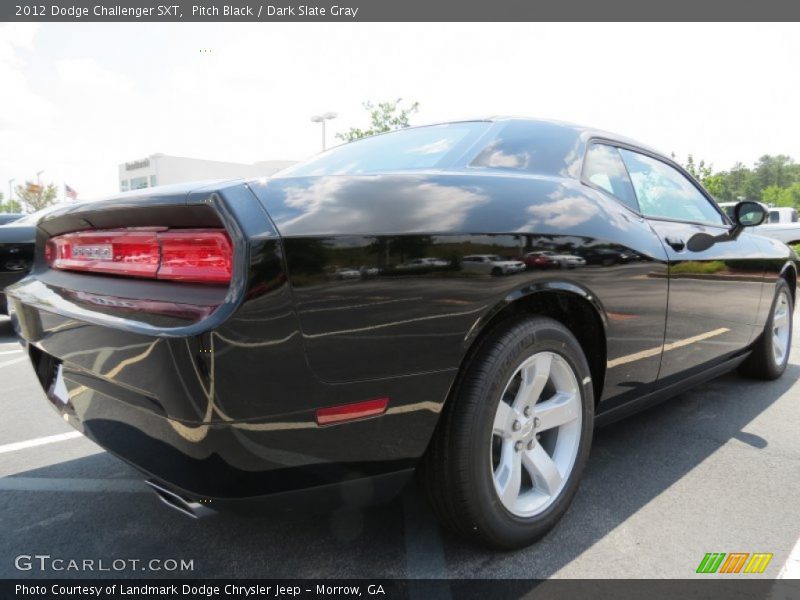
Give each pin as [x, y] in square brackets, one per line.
[162, 169]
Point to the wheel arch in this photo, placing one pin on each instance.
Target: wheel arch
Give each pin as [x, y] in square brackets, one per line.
[574, 306]
[789, 273]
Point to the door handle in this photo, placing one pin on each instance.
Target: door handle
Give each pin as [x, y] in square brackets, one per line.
[676, 243]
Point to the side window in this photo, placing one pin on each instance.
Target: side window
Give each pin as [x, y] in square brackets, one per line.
[664, 192]
[774, 216]
[604, 168]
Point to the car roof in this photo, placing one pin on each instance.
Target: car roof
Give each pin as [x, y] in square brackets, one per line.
[584, 131]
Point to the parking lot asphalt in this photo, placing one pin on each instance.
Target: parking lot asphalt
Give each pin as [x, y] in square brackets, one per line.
[716, 469]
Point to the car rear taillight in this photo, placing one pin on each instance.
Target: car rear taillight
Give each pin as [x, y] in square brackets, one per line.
[203, 256]
[191, 255]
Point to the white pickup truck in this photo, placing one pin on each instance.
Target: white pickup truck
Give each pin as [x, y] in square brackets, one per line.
[781, 223]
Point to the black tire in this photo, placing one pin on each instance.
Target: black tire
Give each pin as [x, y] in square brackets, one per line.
[456, 472]
[762, 363]
[497, 271]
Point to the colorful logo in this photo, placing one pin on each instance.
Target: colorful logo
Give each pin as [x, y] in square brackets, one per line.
[734, 562]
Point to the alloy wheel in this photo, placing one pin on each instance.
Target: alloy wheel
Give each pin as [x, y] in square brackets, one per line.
[536, 434]
[781, 327]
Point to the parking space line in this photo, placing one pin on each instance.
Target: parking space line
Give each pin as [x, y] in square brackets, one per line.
[791, 568]
[11, 351]
[13, 361]
[55, 484]
[50, 439]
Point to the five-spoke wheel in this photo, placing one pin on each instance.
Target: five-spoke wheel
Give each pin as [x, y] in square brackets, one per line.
[536, 434]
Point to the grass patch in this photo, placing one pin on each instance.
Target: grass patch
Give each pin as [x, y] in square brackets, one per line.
[705, 268]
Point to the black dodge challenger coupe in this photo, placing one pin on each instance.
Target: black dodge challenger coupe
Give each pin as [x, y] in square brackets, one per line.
[206, 334]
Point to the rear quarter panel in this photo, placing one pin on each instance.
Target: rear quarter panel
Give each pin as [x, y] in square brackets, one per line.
[401, 322]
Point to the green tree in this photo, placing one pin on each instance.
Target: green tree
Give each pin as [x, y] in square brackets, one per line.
[772, 179]
[782, 196]
[717, 186]
[699, 171]
[9, 206]
[773, 170]
[36, 197]
[385, 116]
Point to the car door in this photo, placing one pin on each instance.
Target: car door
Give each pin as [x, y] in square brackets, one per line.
[714, 294]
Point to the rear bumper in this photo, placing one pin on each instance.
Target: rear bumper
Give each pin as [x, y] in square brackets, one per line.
[221, 466]
[123, 391]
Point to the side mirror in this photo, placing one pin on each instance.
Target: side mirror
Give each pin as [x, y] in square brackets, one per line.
[749, 214]
[745, 214]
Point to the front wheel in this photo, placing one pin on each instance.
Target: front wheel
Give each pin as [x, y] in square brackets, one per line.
[509, 451]
[770, 353]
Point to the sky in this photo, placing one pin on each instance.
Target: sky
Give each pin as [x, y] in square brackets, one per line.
[79, 99]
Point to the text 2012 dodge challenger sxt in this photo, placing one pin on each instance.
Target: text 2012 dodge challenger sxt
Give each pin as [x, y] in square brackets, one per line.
[330, 328]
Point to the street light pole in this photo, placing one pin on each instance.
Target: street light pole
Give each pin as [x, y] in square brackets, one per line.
[11, 188]
[39, 177]
[321, 119]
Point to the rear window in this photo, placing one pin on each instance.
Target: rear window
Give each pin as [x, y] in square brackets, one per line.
[415, 148]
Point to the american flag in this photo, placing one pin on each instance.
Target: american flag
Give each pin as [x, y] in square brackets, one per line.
[71, 194]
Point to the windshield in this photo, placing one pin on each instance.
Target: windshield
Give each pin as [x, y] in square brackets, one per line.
[415, 148]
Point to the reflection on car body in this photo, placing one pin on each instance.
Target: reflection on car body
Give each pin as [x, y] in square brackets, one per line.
[491, 264]
[565, 261]
[423, 263]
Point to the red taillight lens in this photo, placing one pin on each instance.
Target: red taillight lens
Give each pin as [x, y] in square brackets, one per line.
[192, 255]
[131, 253]
[196, 256]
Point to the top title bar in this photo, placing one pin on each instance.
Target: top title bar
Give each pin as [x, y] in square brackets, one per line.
[401, 10]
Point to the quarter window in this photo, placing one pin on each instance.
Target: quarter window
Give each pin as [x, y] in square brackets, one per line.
[664, 192]
[604, 169]
[532, 146]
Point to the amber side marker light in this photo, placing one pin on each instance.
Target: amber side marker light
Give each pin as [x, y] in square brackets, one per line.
[351, 412]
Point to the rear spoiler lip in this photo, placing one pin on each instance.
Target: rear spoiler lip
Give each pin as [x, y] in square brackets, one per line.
[175, 195]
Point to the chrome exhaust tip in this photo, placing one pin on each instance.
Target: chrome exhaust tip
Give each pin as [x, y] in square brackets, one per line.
[191, 508]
